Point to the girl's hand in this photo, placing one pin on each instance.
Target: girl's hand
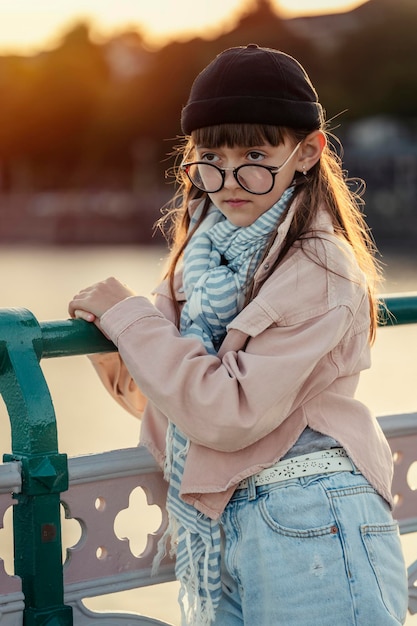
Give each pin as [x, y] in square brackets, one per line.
[91, 303]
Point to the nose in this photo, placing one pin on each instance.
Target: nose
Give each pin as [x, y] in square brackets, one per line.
[230, 181]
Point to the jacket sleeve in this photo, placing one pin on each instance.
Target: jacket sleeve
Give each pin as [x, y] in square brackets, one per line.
[225, 403]
[116, 378]
[113, 372]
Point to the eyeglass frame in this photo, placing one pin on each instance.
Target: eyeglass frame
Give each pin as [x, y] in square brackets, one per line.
[273, 169]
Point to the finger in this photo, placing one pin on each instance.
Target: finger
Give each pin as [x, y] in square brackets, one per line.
[76, 304]
[84, 315]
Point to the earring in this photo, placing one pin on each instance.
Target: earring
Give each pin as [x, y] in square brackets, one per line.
[304, 171]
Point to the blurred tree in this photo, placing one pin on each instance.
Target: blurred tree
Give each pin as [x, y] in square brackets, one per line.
[50, 102]
[66, 96]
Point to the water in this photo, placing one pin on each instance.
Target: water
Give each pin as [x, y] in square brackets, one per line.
[44, 280]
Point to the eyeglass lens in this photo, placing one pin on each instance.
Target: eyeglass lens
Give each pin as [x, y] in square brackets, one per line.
[254, 178]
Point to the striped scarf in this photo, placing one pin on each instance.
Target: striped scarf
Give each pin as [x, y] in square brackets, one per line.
[219, 261]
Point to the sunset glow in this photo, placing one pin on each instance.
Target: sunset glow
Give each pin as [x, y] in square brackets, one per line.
[28, 26]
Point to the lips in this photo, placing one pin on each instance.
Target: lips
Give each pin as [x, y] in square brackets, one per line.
[235, 202]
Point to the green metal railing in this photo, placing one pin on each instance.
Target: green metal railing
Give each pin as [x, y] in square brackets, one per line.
[44, 471]
[399, 309]
[36, 516]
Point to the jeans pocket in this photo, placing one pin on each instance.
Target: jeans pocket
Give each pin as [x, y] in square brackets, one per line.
[298, 512]
[383, 547]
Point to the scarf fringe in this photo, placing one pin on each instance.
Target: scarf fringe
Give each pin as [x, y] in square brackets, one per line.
[194, 597]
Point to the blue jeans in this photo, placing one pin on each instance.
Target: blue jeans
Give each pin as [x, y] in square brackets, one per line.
[317, 551]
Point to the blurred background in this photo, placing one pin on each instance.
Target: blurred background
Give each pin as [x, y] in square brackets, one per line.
[90, 101]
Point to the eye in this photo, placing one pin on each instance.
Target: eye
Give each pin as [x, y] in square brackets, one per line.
[210, 157]
[255, 156]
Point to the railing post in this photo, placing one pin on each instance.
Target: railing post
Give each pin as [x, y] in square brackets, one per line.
[36, 516]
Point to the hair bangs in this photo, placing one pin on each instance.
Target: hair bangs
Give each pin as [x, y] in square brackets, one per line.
[241, 135]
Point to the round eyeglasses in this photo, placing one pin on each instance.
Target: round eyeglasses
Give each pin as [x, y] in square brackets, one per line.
[256, 179]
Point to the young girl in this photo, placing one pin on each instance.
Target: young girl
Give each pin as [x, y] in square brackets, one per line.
[279, 480]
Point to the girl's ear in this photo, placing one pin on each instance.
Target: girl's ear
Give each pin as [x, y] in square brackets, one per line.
[311, 150]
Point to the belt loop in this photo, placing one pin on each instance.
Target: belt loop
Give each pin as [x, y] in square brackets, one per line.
[251, 488]
[355, 470]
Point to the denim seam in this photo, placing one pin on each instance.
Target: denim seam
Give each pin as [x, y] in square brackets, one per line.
[233, 559]
[344, 547]
[349, 491]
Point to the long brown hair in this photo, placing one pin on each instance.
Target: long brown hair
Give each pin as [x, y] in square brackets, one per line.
[326, 184]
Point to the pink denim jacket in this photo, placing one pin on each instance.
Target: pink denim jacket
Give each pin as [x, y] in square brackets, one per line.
[291, 359]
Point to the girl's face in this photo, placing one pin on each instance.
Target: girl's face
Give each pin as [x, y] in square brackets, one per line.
[239, 206]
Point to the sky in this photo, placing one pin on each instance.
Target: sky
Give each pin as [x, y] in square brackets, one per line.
[27, 26]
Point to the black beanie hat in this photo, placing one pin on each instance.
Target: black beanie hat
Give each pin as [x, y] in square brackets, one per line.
[252, 85]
